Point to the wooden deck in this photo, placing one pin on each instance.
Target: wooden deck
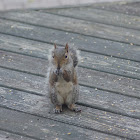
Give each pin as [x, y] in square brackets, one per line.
[108, 36]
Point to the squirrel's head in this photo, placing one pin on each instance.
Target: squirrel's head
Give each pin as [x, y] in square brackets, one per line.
[60, 56]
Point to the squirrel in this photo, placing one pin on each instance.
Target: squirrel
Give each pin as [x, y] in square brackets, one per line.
[63, 82]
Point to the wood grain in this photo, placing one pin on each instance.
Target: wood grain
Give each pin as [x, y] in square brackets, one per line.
[33, 126]
[10, 136]
[125, 8]
[92, 119]
[45, 35]
[99, 16]
[109, 73]
[72, 25]
[93, 61]
[103, 95]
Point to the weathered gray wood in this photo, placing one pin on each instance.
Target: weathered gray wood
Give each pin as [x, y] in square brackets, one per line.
[70, 25]
[90, 118]
[24, 46]
[32, 100]
[23, 63]
[9, 136]
[92, 96]
[87, 77]
[135, 4]
[109, 82]
[99, 46]
[41, 128]
[27, 82]
[100, 16]
[110, 65]
[93, 61]
[122, 7]
[110, 102]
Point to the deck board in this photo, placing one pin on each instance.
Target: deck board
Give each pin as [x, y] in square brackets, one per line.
[95, 45]
[69, 24]
[114, 102]
[126, 8]
[4, 135]
[99, 16]
[90, 118]
[94, 61]
[87, 77]
[109, 72]
[94, 98]
[34, 127]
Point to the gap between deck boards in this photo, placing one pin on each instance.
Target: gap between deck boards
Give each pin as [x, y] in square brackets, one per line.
[10, 135]
[115, 54]
[103, 89]
[80, 103]
[43, 73]
[93, 106]
[127, 9]
[96, 21]
[43, 55]
[80, 33]
[127, 75]
[42, 41]
[53, 120]
[42, 112]
[40, 89]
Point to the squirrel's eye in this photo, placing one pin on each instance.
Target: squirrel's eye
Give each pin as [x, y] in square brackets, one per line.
[66, 56]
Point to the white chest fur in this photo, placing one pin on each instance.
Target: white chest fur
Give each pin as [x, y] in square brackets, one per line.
[64, 88]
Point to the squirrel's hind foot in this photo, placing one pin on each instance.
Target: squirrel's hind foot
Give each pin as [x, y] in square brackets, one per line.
[73, 107]
[58, 109]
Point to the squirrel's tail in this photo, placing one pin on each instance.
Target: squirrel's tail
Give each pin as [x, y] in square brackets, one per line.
[75, 54]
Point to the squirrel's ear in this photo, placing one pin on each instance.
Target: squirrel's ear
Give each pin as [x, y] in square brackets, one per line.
[67, 47]
[54, 46]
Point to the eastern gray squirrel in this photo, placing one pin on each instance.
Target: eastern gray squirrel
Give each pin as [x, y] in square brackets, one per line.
[63, 82]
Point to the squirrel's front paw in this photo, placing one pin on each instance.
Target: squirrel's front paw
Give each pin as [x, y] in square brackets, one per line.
[58, 71]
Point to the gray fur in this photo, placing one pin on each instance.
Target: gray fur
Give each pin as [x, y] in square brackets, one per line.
[74, 57]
